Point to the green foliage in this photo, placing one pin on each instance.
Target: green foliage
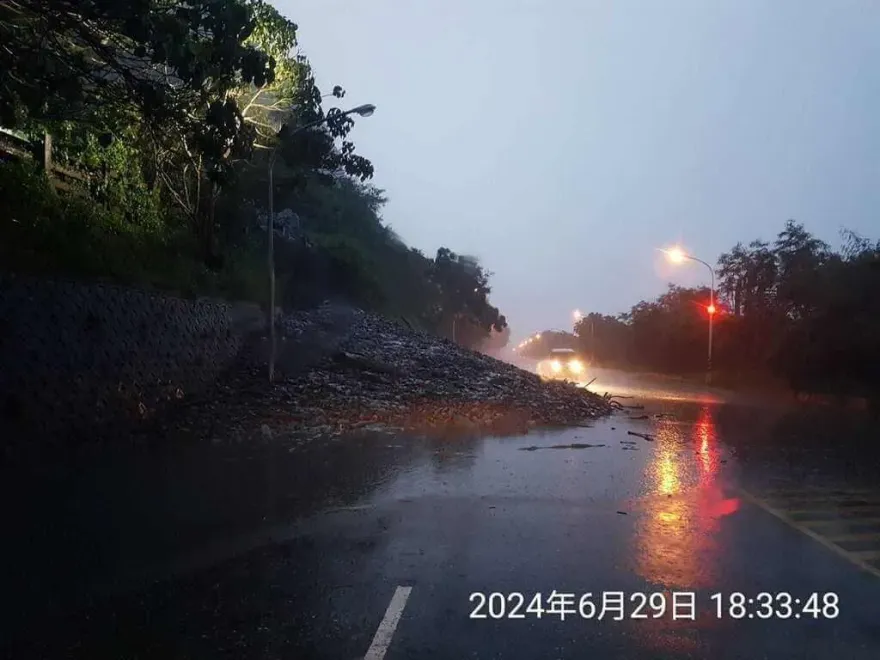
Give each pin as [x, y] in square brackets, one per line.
[69, 234]
[178, 173]
[356, 256]
[116, 171]
[265, 105]
[118, 56]
[461, 291]
[350, 269]
[606, 338]
[308, 142]
[45, 232]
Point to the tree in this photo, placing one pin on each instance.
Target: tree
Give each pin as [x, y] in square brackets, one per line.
[291, 99]
[108, 61]
[315, 149]
[462, 289]
[160, 76]
[270, 110]
[604, 338]
[496, 341]
[800, 257]
[791, 309]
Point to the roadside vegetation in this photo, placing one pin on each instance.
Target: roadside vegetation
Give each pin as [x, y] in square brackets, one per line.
[790, 312]
[169, 114]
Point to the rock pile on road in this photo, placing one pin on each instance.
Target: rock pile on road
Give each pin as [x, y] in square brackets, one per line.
[385, 374]
[342, 369]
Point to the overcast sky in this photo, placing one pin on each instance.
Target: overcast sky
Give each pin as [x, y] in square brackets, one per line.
[561, 142]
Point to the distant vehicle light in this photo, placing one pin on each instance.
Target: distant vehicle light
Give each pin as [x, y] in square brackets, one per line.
[576, 366]
[556, 365]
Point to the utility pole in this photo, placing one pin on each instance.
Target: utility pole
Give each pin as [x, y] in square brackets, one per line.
[363, 111]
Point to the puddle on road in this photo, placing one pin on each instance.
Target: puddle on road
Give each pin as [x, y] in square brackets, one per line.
[680, 438]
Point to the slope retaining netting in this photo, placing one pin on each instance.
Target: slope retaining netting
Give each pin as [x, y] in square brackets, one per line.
[75, 358]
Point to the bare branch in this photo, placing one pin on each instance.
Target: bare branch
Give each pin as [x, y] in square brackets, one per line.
[253, 100]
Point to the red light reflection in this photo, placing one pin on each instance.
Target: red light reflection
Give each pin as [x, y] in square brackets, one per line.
[676, 544]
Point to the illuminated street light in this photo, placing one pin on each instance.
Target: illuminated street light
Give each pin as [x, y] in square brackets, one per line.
[677, 255]
[577, 315]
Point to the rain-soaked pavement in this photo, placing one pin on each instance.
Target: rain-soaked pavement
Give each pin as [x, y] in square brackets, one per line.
[574, 543]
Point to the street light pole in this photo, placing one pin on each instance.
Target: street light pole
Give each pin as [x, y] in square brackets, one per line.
[677, 255]
[362, 110]
[270, 228]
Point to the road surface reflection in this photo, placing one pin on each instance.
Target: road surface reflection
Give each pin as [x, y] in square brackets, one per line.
[676, 535]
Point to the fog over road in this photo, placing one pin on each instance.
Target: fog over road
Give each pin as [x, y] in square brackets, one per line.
[374, 546]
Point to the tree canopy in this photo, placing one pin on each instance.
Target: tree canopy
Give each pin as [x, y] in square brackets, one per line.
[101, 61]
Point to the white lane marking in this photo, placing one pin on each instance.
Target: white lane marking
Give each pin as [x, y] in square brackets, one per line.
[382, 639]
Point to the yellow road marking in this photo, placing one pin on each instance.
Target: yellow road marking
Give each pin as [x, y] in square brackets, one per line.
[849, 556]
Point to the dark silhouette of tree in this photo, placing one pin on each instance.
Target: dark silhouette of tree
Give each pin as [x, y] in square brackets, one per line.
[790, 309]
[462, 290]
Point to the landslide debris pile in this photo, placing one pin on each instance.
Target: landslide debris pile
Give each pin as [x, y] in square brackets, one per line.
[385, 374]
[340, 369]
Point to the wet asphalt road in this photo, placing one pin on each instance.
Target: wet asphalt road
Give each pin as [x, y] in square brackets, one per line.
[375, 546]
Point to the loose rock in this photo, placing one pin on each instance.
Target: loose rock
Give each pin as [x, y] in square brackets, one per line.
[344, 370]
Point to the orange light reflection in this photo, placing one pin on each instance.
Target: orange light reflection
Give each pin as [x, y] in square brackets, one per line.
[675, 543]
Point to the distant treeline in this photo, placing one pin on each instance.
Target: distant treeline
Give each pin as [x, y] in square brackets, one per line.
[792, 310]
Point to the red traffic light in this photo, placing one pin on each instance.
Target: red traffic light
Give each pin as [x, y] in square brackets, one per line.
[710, 309]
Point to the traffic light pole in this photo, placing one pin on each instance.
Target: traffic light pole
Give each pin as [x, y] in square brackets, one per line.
[711, 311]
[711, 325]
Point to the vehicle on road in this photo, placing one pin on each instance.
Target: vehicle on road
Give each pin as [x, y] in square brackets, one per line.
[563, 364]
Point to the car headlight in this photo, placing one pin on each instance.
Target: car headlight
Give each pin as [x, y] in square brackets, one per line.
[576, 366]
[556, 365]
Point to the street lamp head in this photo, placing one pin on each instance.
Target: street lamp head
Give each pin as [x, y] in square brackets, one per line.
[364, 110]
[676, 255]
